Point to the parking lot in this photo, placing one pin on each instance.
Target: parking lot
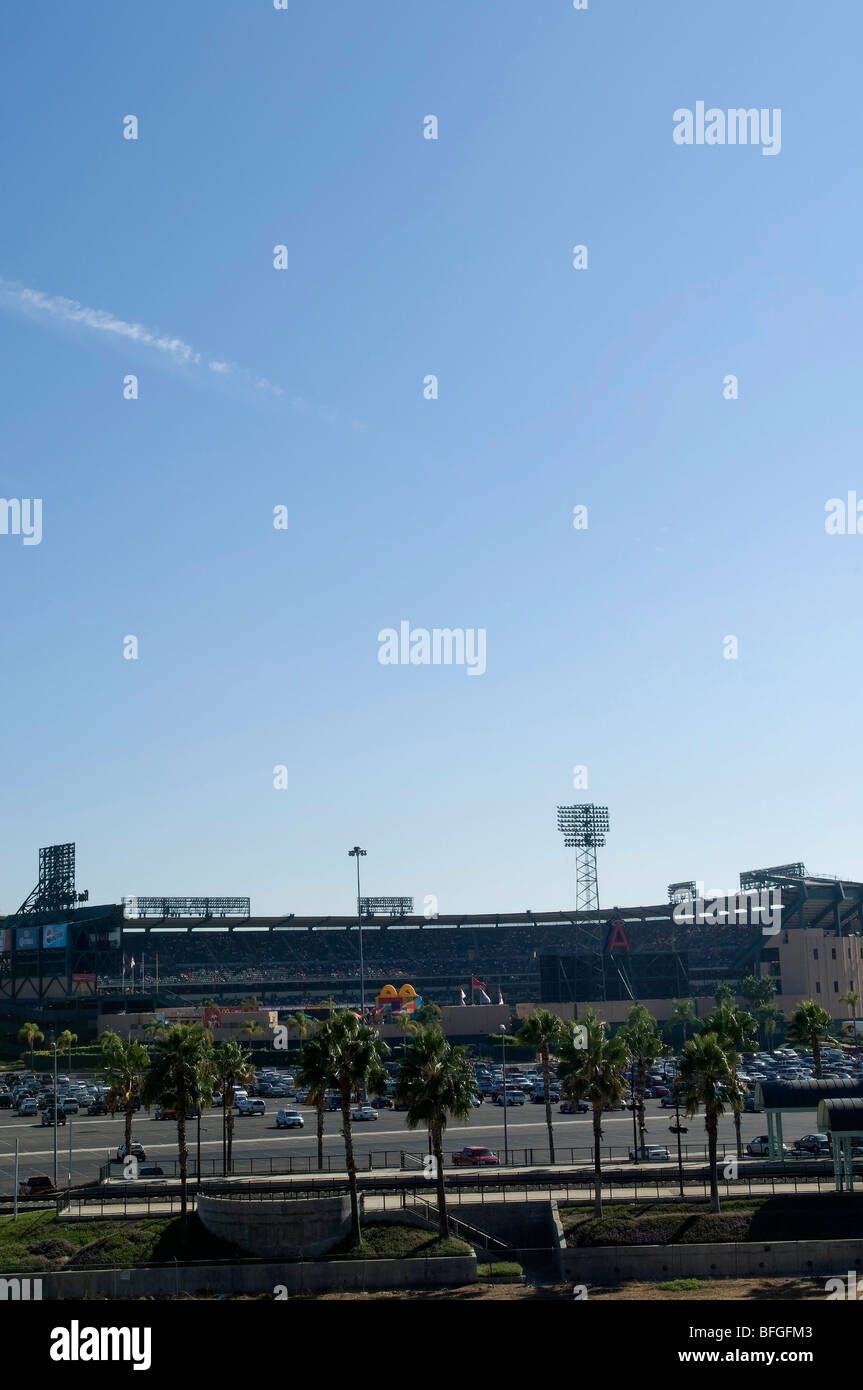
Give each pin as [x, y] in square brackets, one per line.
[94, 1139]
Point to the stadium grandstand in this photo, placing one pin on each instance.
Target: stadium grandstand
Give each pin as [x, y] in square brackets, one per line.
[76, 960]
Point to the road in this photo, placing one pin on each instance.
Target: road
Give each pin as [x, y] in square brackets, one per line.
[94, 1139]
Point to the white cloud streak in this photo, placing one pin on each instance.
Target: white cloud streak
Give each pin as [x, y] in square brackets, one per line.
[47, 307]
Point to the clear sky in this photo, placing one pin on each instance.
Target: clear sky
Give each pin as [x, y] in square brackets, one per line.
[557, 387]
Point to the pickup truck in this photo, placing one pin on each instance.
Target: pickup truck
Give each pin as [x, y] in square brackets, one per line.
[473, 1157]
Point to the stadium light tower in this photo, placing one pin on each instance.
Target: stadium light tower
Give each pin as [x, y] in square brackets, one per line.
[357, 853]
[584, 828]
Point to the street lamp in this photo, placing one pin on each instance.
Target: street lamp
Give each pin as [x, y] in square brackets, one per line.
[355, 853]
[505, 1107]
[56, 1107]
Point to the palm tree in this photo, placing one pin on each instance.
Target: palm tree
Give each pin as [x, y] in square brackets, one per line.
[178, 1076]
[67, 1040]
[768, 1016]
[851, 999]
[232, 1066]
[300, 1024]
[252, 1028]
[758, 989]
[30, 1033]
[356, 1060]
[543, 1032]
[593, 1071]
[251, 1001]
[703, 1073]
[809, 1026]
[683, 1012]
[123, 1067]
[436, 1080]
[735, 1029]
[641, 1035]
[314, 1071]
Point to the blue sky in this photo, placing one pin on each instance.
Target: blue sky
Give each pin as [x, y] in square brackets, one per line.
[557, 387]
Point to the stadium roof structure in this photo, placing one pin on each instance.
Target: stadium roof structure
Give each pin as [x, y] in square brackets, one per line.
[794, 1097]
[843, 1116]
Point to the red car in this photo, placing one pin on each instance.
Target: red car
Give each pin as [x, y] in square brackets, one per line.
[40, 1185]
[475, 1157]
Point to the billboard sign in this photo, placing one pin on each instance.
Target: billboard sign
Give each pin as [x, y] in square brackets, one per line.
[26, 938]
[54, 935]
[5, 940]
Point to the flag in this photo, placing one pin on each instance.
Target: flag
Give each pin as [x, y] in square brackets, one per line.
[500, 996]
[132, 962]
[463, 996]
[476, 984]
[483, 997]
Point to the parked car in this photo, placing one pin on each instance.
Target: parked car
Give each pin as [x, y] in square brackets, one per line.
[815, 1145]
[251, 1107]
[650, 1153]
[40, 1185]
[510, 1098]
[137, 1151]
[670, 1101]
[474, 1157]
[150, 1170]
[289, 1119]
[574, 1107]
[52, 1116]
[382, 1102]
[759, 1148]
[5, 1100]
[365, 1112]
[27, 1106]
[70, 1105]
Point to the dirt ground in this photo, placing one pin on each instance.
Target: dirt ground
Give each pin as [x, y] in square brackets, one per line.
[719, 1290]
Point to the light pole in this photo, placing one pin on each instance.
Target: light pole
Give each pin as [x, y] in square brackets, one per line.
[505, 1106]
[56, 1108]
[356, 853]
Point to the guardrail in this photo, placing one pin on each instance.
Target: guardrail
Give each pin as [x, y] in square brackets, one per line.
[406, 1159]
[399, 1190]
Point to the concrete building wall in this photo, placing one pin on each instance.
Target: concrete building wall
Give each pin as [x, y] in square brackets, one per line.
[612, 1264]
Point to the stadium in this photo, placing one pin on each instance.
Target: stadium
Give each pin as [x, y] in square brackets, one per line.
[70, 963]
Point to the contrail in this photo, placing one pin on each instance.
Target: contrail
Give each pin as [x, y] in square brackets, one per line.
[37, 305]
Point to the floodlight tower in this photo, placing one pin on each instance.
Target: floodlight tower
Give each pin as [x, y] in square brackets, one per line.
[584, 828]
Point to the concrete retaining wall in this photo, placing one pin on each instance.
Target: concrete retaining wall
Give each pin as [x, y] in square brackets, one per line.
[302, 1277]
[275, 1230]
[613, 1264]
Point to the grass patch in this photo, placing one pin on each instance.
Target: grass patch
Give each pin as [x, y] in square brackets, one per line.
[759, 1219]
[38, 1241]
[395, 1242]
[680, 1285]
[503, 1269]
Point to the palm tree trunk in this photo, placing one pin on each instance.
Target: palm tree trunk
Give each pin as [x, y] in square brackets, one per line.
[443, 1214]
[224, 1136]
[183, 1152]
[597, 1160]
[356, 1234]
[320, 1108]
[546, 1081]
[230, 1123]
[639, 1100]
[712, 1131]
[127, 1124]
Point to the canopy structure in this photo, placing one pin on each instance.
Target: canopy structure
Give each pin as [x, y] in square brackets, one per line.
[778, 1098]
[843, 1121]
